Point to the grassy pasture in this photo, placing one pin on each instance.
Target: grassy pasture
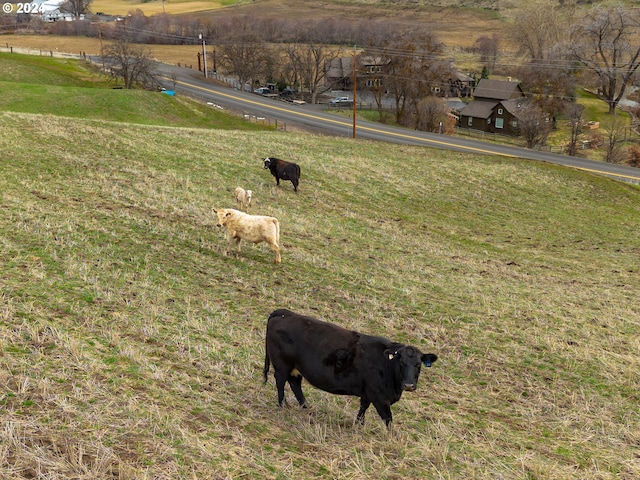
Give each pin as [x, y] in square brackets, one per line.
[132, 347]
[22, 69]
[33, 84]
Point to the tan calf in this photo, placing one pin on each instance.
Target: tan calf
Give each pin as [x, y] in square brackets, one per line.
[252, 228]
[243, 198]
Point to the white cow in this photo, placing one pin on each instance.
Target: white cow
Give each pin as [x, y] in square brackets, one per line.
[243, 198]
[252, 228]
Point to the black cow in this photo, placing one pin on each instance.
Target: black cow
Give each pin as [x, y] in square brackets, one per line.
[340, 361]
[284, 170]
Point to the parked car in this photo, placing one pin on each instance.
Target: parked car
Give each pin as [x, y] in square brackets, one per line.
[340, 101]
[287, 94]
[263, 91]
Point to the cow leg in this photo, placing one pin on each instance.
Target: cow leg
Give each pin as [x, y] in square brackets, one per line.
[229, 244]
[385, 412]
[295, 382]
[238, 240]
[281, 379]
[364, 404]
[295, 185]
[276, 250]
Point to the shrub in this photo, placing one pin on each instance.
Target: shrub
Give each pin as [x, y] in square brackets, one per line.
[633, 155]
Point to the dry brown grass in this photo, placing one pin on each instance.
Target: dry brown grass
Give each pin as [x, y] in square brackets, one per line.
[171, 54]
[456, 27]
[174, 7]
[453, 25]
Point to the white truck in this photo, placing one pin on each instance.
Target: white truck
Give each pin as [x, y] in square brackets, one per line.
[340, 102]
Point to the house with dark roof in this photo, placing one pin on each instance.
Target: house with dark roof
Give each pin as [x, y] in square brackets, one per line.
[460, 85]
[495, 107]
[372, 70]
[339, 73]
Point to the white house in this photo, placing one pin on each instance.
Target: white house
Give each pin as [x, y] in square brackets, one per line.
[50, 10]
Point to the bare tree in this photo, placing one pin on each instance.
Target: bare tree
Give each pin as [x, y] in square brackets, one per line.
[244, 52]
[309, 64]
[605, 42]
[533, 124]
[416, 67]
[432, 114]
[488, 47]
[76, 7]
[538, 28]
[614, 134]
[549, 82]
[289, 68]
[245, 60]
[633, 156]
[271, 60]
[429, 72]
[132, 63]
[575, 123]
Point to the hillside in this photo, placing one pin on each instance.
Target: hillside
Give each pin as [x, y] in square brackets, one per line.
[456, 27]
[132, 347]
[32, 84]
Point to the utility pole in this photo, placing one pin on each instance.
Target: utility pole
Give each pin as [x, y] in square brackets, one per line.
[355, 54]
[101, 49]
[204, 55]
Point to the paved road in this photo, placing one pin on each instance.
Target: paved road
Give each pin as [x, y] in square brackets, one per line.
[313, 118]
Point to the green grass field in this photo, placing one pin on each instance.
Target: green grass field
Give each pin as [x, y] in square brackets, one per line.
[72, 89]
[132, 347]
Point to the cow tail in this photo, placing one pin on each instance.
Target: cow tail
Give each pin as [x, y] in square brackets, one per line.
[267, 363]
[277, 231]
